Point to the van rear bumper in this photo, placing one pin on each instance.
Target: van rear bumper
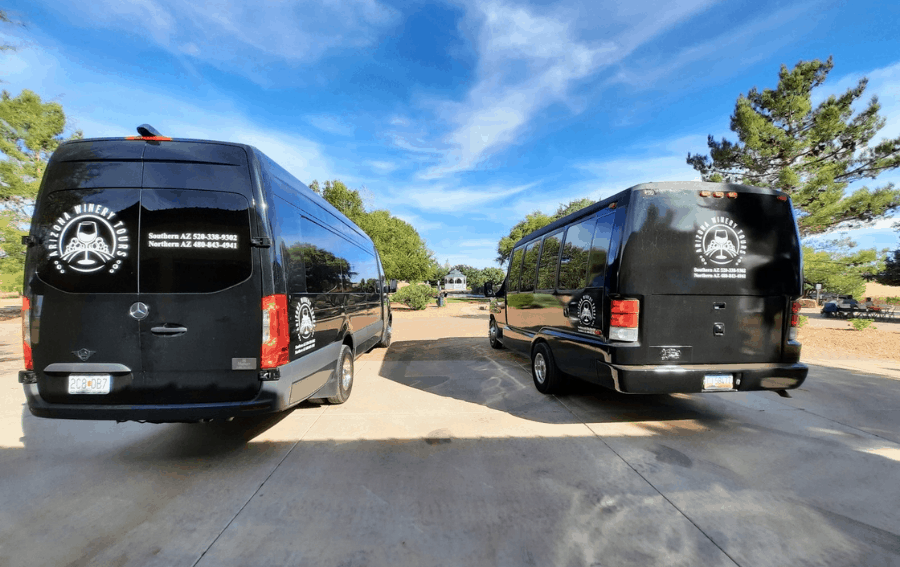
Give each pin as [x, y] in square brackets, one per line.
[687, 379]
[267, 401]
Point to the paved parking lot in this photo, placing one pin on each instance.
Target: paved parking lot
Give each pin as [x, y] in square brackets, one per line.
[445, 454]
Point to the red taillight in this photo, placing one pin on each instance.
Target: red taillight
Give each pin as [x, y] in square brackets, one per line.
[26, 334]
[150, 138]
[276, 335]
[795, 320]
[623, 319]
[795, 313]
[795, 307]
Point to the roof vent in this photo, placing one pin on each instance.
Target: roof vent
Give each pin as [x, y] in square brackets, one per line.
[147, 130]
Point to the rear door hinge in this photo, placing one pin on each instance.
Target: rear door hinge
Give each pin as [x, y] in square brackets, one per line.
[261, 242]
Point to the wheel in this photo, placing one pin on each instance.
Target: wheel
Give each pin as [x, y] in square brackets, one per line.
[494, 334]
[547, 377]
[386, 336]
[344, 374]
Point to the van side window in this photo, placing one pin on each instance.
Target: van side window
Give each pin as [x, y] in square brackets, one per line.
[600, 250]
[515, 270]
[529, 266]
[573, 266]
[363, 274]
[549, 261]
[320, 249]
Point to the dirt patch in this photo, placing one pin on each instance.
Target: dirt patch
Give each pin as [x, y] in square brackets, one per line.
[824, 343]
[478, 310]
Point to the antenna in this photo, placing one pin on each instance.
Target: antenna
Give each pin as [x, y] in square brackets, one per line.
[147, 130]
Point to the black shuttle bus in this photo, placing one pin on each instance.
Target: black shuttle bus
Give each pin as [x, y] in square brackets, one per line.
[662, 288]
[187, 280]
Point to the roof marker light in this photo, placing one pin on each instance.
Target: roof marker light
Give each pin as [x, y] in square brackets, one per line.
[731, 194]
[782, 197]
[705, 193]
[718, 194]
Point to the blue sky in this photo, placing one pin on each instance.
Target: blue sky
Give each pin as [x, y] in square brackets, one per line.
[459, 117]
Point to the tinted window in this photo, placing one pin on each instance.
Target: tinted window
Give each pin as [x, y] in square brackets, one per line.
[363, 273]
[193, 241]
[86, 240]
[515, 270]
[321, 251]
[529, 266]
[600, 250]
[549, 261]
[573, 266]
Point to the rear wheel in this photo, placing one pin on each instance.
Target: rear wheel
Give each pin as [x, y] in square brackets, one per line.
[494, 334]
[344, 376]
[547, 377]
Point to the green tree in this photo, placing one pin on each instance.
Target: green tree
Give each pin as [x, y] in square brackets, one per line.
[811, 153]
[840, 272]
[404, 254]
[534, 221]
[30, 130]
[890, 275]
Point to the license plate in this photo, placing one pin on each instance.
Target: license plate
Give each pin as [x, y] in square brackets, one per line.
[90, 383]
[718, 382]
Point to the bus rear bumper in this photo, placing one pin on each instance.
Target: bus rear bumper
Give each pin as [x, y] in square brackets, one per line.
[267, 401]
[690, 378]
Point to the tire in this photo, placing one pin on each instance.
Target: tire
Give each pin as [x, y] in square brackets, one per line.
[547, 377]
[344, 381]
[386, 336]
[494, 334]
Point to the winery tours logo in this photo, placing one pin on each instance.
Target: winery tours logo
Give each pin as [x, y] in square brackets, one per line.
[87, 239]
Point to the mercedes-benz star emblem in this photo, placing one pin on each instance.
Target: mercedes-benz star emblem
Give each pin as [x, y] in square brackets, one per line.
[139, 311]
[83, 354]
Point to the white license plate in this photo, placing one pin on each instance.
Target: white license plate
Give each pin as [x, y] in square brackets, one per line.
[718, 382]
[90, 383]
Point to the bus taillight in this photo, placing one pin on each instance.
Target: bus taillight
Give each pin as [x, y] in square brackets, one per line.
[275, 331]
[623, 319]
[795, 320]
[26, 333]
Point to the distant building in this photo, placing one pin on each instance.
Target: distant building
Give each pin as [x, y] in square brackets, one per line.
[455, 281]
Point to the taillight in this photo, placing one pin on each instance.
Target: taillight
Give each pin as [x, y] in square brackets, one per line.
[795, 320]
[26, 333]
[275, 331]
[623, 319]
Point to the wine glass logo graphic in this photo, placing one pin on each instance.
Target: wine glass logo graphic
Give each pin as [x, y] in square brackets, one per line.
[720, 243]
[87, 241]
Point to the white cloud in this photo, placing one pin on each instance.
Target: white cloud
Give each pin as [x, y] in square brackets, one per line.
[529, 61]
[443, 198]
[481, 242]
[382, 166]
[242, 36]
[337, 125]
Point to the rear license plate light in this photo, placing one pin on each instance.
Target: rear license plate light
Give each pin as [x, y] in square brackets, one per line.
[90, 383]
[718, 382]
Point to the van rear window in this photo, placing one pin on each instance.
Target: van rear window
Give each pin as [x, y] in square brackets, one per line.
[682, 243]
[86, 240]
[193, 241]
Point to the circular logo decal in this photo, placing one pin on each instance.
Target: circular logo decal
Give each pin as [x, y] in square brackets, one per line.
[88, 239]
[586, 311]
[305, 317]
[720, 242]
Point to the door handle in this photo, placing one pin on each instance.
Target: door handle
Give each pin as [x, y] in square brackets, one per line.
[169, 331]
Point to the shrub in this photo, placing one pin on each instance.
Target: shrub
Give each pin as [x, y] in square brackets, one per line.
[860, 324]
[413, 296]
[802, 320]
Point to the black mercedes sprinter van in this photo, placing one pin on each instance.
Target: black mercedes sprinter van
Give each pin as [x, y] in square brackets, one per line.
[662, 288]
[187, 280]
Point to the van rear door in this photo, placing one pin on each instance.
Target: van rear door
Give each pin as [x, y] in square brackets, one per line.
[199, 275]
[715, 275]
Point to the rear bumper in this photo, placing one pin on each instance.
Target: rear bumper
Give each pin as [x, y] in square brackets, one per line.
[689, 378]
[267, 401]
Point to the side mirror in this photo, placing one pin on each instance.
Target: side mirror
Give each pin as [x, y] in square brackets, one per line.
[489, 289]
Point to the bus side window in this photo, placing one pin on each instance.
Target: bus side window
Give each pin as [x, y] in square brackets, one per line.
[549, 261]
[529, 266]
[515, 270]
[600, 250]
[573, 266]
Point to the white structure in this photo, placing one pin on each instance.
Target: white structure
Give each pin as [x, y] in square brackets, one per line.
[455, 281]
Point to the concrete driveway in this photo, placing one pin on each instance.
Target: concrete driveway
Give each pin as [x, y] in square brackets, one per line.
[445, 454]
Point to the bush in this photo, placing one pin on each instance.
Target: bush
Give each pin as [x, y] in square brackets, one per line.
[860, 324]
[413, 296]
[802, 320]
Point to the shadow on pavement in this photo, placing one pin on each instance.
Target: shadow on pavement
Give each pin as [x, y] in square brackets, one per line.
[468, 369]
